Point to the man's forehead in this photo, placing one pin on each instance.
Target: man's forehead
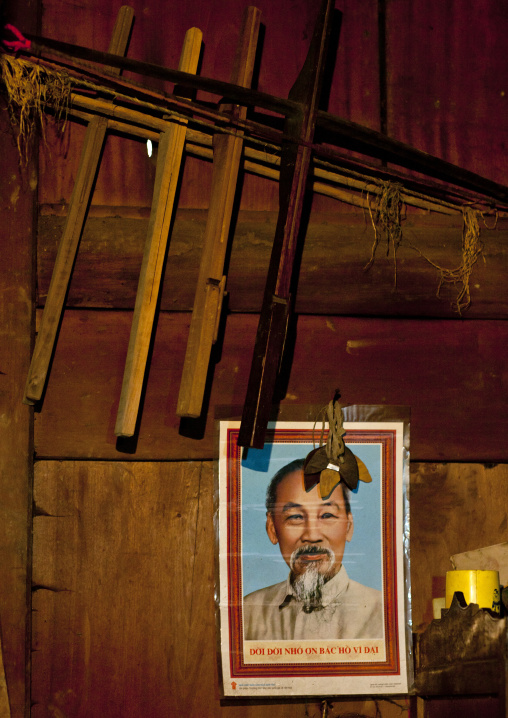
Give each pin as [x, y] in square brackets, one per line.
[291, 489]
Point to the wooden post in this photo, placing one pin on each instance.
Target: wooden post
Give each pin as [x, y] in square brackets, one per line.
[169, 159]
[17, 283]
[87, 170]
[295, 160]
[227, 151]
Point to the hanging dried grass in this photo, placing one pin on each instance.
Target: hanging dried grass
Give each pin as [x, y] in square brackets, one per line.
[31, 89]
[385, 215]
[472, 247]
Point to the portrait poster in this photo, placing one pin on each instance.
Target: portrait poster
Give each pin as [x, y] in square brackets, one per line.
[347, 655]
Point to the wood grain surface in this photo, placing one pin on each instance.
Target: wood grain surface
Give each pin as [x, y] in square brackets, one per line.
[124, 621]
[17, 230]
[124, 576]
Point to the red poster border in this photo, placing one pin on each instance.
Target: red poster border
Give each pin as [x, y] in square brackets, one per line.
[391, 665]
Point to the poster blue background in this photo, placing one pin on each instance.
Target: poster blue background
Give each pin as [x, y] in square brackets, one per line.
[262, 563]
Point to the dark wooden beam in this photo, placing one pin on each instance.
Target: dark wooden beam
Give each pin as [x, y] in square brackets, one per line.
[332, 277]
[451, 374]
[294, 169]
[230, 92]
[375, 144]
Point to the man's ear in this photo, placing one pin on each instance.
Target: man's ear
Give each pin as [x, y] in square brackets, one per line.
[270, 529]
[350, 527]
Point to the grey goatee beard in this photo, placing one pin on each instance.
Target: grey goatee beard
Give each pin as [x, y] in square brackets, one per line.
[307, 586]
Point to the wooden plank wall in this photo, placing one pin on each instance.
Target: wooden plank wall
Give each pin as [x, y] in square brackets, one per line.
[336, 251]
[123, 536]
[124, 558]
[124, 583]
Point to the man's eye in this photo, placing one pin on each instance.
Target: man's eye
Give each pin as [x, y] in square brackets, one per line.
[328, 516]
[294, 517]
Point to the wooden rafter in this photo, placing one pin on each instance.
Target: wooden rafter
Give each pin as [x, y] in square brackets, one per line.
[366, 140]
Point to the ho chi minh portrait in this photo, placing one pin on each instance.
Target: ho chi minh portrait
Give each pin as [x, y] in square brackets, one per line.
[317, 600]
[312, 557]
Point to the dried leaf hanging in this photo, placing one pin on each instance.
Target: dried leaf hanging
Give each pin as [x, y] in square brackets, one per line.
[334, 462]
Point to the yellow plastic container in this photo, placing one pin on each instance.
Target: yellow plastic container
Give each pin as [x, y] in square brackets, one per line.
[481, 587]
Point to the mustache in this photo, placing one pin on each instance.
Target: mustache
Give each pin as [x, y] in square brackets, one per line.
[310, 549]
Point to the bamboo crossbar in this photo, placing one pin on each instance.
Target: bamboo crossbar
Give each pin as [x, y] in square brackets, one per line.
[478, 189]
[371, 142]
[139, 124]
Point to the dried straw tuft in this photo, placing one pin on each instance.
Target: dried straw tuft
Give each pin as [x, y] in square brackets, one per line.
[472, 247]
[385, 215]
[31, 90]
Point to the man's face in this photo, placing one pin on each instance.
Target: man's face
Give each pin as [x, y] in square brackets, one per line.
[303, 520]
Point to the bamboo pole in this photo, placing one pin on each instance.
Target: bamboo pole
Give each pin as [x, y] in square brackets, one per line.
[373, 143]
[227, 151]
[169, 160]
[139, 124]
[69, 243]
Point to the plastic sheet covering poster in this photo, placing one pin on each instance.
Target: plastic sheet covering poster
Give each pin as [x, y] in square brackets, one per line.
[313, 592]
